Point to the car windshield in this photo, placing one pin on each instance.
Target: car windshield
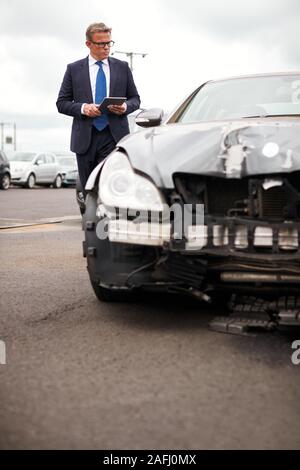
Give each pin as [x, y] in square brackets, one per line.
[245, 97]
[22, 156]
[66, 161]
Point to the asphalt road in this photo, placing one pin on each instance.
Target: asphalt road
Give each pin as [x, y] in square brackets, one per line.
[145, 375]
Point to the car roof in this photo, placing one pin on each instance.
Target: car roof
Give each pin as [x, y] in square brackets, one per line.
[35, 152]
[61, 155]
[256, 75]
[67, 153]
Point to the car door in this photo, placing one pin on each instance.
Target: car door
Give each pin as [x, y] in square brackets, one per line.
[51, 167]
[40, 168]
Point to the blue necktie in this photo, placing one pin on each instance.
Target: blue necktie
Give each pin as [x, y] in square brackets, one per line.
[100, 93]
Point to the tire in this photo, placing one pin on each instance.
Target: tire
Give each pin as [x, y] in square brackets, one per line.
[57, 182]
[5, 181]
[30, 181]
[104, 294]
[79, 196]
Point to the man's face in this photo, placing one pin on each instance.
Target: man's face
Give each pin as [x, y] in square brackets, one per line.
[99, 52]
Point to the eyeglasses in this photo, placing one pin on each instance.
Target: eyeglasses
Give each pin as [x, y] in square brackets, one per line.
[103, 44]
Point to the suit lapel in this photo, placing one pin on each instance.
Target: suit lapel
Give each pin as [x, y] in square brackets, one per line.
[113, 75]
[86, 79]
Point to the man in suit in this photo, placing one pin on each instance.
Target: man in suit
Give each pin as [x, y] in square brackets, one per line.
[85, 83]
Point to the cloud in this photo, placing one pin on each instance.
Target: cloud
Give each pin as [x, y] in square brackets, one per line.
[267, 25]
[234, 19]
[186, 42]
[50, 18]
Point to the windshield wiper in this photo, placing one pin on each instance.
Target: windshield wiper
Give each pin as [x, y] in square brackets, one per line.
[271, 115]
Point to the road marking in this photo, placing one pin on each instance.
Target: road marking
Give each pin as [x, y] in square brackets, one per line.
[31, 228]
[38, 227]
[23, 224]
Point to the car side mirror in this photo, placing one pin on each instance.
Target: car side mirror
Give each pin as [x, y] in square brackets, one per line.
[149, 117]
[39, 161]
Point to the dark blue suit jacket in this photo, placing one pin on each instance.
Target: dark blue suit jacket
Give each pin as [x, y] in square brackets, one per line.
[76, 90]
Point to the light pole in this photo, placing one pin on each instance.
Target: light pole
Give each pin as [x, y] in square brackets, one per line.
[2, 135]
[130, 55]
[15, 136]
[2, 125]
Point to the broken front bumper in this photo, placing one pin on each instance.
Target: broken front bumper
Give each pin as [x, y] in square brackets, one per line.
[220, 234]
[224, 252]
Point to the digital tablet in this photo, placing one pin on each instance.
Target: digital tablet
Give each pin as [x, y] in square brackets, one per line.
[110, 100]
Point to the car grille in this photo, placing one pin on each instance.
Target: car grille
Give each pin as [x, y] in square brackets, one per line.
[244, 197]
[222, 196]
[272, 203]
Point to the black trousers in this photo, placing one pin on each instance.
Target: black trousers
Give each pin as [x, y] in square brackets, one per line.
[102, 143]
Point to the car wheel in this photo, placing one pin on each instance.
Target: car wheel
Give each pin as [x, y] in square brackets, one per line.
[5, 181]
[95, 251]
[30, 181]
[57, 182]
[79, 196]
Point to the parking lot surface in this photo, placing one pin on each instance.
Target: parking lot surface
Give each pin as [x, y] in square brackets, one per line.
[143, 375]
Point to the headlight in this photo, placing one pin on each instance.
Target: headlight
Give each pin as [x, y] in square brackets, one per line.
[119, 186]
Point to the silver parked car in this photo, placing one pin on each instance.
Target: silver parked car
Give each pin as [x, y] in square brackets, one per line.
[69, 170]
[30, 168]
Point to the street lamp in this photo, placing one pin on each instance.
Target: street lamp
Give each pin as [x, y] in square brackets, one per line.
[8, 139]
[130, 55]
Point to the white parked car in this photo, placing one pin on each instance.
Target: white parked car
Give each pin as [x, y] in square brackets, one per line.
[30, 168]
[69, 171]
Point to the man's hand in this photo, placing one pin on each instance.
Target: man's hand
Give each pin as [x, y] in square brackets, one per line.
[91, 110]
[118, 109]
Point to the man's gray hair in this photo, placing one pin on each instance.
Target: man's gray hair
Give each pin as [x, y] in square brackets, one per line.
[96, 28]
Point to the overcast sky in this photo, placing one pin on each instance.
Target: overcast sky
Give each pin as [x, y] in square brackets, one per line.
[187, 42]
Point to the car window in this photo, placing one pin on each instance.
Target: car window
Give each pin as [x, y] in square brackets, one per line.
[66, 161]
[2, 158]
[50, 158]
[22, 156]
[245, 97]
[40, 158]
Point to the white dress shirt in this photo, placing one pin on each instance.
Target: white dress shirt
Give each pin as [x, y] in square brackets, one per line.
[93, 70]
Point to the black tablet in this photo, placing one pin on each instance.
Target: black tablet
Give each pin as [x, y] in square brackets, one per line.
[110, 100]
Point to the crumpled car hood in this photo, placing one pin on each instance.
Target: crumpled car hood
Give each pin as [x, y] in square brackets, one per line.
[224, 149]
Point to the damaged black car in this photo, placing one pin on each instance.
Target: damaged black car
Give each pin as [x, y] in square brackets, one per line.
[205, 202]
